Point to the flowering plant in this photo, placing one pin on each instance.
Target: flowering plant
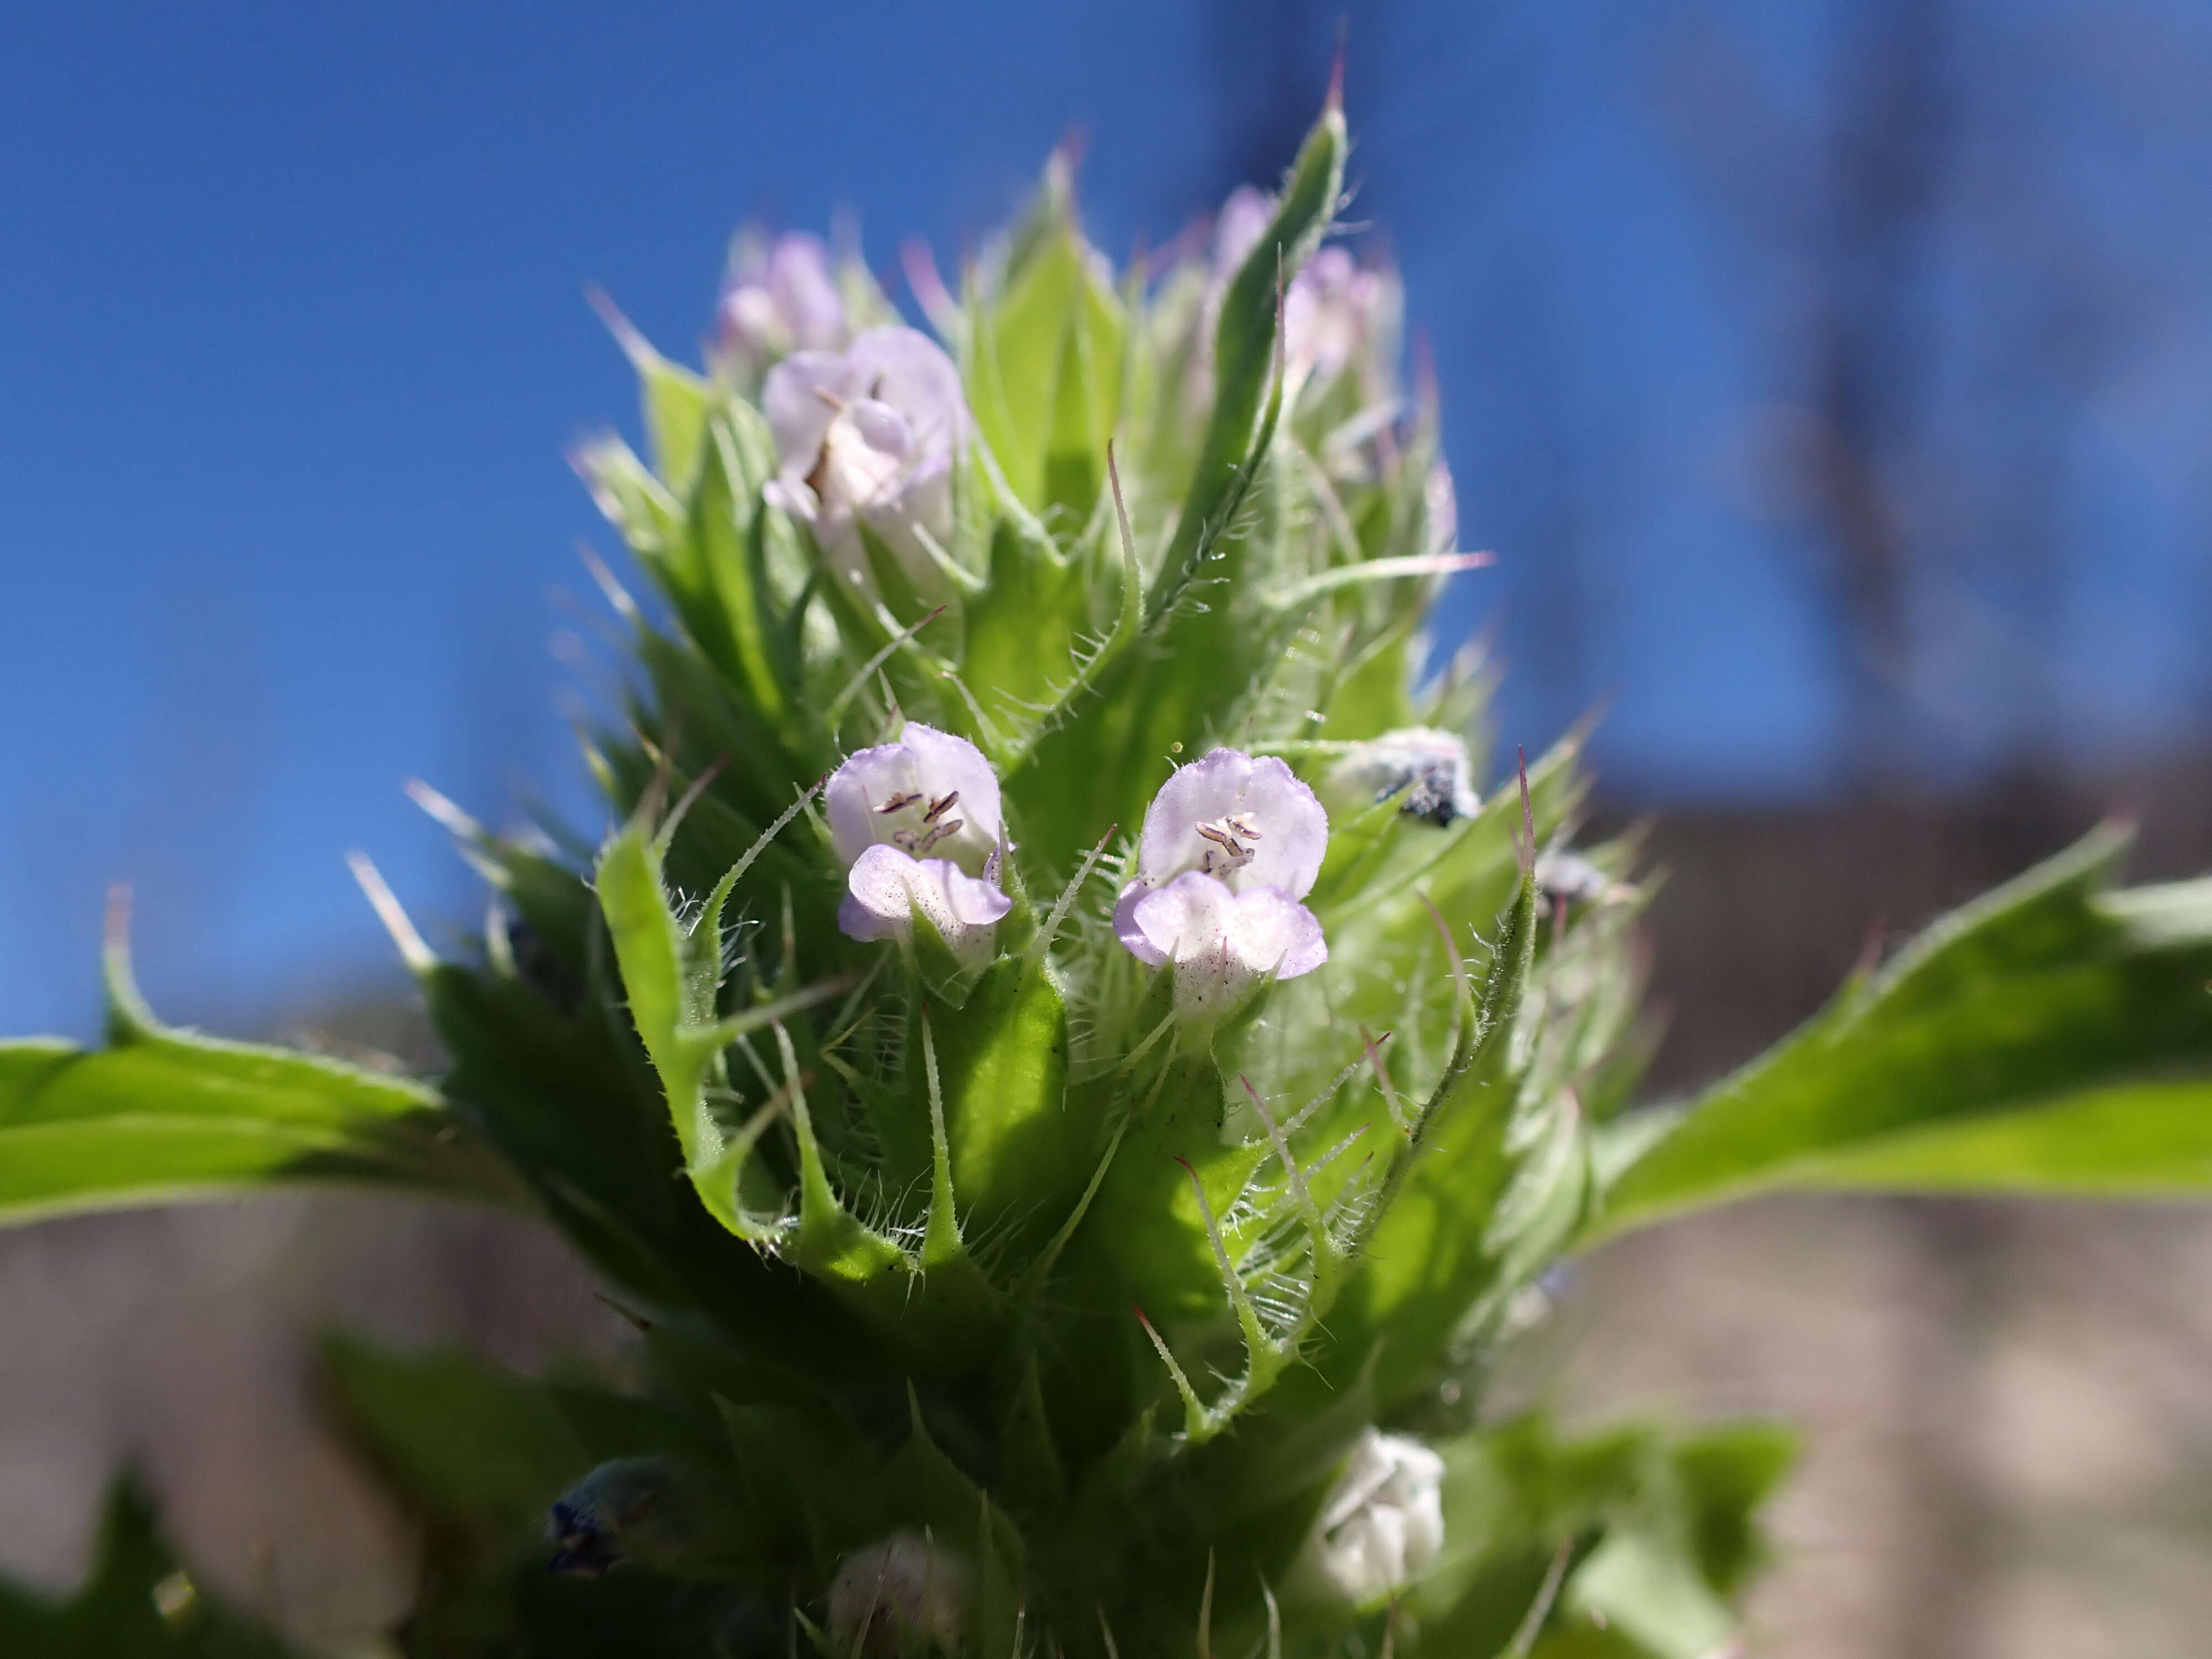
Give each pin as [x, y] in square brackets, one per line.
[1070, 1082]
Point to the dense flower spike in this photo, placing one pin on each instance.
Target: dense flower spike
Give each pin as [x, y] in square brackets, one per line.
[1385, 1522]
[1001, 1312]
[1230, 845]
[868, 436]
[780, 297]
[916, 824]
[1044, 1305]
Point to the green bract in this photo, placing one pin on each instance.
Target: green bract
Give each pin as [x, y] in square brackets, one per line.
[1000, 1293]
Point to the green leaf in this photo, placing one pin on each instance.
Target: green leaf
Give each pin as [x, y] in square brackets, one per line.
[1439, 1235]
[729, 528]
[673, 400]
[1641, 1584]
[1245, 338]
[1024, 628]
[923, 1488]
[457, 1439]
[670, 975]
[137, 1603]
[1017, 1149]
[1204, 651]
[163, 1114]
[1726, 1472]
[1044, 375]
[1650, 1534]
[2053, 1036]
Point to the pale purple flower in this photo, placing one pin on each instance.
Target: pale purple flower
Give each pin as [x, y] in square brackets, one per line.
[886, 888]
[1384, 1522]
[904, 1593]
[1336, 313]
[1222, 943]
[917, 824]
[869, 435]
[1230, 845]
[781, 297]
[1441, 500]
[1333, 316]
[1238, 227]
[1426, 770]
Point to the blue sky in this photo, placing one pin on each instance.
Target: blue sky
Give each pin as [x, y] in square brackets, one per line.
[294, 342]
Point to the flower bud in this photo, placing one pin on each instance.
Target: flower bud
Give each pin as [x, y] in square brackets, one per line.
[897, 1595]
[1561, 874]
[656, 1511]
[1426, 770]
[778, 297]
[1384, 1523]
[1337, 313]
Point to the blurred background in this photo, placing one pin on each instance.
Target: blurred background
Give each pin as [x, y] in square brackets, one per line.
[1834, 382]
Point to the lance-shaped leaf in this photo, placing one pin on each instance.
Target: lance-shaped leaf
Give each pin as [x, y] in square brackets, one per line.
[672, 974]
[922, 1489]
[2053, 1036]
[1205, 654]
[1434, 1244]
[1045, 367]
[161, 1115]
[1244, 342]
[673, 401]
[937, 1304]
[1017, 1150]
[1026, 629]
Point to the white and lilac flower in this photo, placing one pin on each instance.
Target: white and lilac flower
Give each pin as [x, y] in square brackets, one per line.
[1384, 1523]
[917, 825]
[1337, 313]
[780, 297]
[902, 1594]
[1230, 845]
[869, 435]
[1425, 770]
[1237, 229]
[1333, 316]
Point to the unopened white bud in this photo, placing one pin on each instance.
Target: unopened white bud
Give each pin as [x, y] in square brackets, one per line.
[900, 1592]
[1384, 1523]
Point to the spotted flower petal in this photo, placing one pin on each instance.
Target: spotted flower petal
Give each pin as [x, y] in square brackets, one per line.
[917, 824]
[1249, 822]
[930, 794]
